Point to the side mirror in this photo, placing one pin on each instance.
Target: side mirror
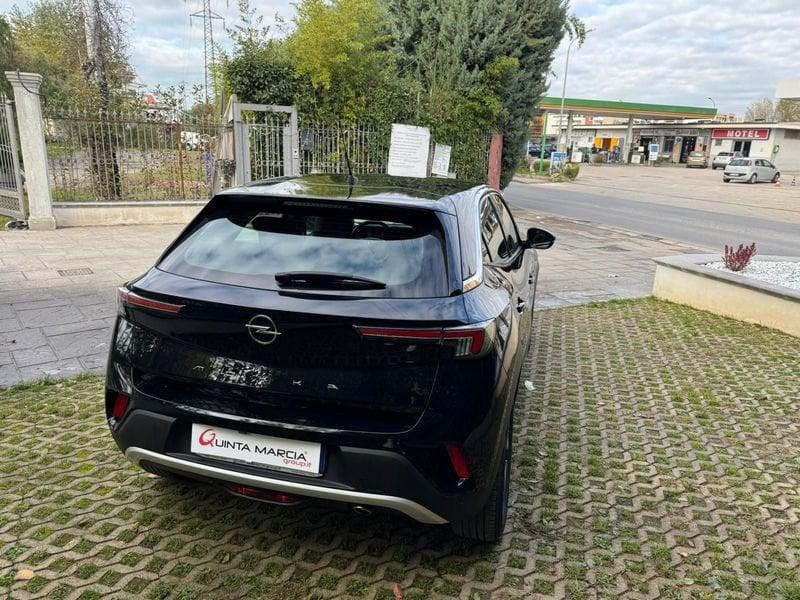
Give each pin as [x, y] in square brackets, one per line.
[540, 239]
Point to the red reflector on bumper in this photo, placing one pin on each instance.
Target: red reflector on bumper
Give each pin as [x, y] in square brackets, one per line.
[459, 462]
[263, 495]
[120, 405]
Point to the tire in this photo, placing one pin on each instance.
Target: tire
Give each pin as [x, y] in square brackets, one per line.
[753, 178]
[489, 523]
[713, 168]
[776, 178]
[726, 180]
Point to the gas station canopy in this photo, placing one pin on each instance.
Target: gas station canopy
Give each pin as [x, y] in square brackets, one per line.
[625, 109]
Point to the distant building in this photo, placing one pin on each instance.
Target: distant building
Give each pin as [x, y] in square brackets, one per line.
[778, 142]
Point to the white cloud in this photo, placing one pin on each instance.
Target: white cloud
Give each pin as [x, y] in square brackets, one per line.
[670, 51]
[682, 52]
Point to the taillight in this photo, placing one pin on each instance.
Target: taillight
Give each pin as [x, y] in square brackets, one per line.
[459, 462]
[465, 341]
[126, 297]
[119, 406]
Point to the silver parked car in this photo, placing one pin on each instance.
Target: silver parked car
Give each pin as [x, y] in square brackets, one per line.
[696, 159]
[751, 170]
[722, 159]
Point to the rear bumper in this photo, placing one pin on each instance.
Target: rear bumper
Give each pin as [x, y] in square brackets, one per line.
[196, 469]
[382, 476]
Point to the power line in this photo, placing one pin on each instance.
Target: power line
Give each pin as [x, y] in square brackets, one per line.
[208, 16]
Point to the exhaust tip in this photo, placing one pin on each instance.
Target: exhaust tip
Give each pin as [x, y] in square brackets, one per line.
[362, 510]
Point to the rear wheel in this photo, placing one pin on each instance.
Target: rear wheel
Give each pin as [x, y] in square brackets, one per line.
[753, 178]
[489, 523]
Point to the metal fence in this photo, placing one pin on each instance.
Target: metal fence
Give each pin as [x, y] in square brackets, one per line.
[323, 148]
[12, 202]
[107, 156]
[110, 156]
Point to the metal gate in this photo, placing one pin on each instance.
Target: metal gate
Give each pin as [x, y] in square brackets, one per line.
[11, 196]
[266, 141]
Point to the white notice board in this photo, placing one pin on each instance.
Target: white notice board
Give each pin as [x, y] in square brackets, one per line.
[408, 151]
[441, 160]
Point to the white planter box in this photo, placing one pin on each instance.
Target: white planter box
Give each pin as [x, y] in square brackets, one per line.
[684, 279]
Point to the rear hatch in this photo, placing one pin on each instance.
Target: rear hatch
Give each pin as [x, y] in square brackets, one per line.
[271, 294]
[738, 167]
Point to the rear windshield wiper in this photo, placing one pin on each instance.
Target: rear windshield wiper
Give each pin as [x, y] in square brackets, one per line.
[326, 281]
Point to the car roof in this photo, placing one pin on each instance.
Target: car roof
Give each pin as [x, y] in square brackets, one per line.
[434, 193]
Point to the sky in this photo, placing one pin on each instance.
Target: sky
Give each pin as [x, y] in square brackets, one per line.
[660, 51]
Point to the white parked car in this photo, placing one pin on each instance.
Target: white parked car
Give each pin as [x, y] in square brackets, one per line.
[751, 170]
[723, 158]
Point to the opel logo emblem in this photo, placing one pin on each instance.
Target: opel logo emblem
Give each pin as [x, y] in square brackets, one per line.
[262, 329]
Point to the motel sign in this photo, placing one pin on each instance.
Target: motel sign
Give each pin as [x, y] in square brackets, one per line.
[740, 134]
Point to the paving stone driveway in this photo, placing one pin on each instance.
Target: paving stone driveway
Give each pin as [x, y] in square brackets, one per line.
[57, 288]
[656, 457]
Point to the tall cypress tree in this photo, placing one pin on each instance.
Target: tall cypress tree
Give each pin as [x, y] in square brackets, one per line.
[452, 45]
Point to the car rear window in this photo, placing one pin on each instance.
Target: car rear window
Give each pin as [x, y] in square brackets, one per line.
[696, 154]
[725, 154]
[247, 243]
[740, 162]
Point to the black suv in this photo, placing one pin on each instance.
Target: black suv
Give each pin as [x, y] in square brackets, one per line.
[357, 341]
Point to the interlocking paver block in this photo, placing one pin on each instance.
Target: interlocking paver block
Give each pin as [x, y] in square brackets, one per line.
[656, 457]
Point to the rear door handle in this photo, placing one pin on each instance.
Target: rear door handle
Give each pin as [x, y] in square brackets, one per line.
[521, 305]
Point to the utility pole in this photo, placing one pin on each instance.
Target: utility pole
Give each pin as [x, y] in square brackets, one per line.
[208, 17]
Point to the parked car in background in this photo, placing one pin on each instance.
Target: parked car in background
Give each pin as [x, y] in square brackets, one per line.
[697, 159]
[751, 170]
[722, 159]
[535, 150]
[354, 341]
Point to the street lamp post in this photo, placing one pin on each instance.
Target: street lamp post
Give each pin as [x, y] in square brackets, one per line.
[712, 102]
[564, 88]
[564, 95]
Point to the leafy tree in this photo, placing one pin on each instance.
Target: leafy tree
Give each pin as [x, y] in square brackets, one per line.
[49, 38]
[773, 112]
[6, 53]
[788, 110]
[760, 110]
[450, 44]
[339, 46]
[259, 69]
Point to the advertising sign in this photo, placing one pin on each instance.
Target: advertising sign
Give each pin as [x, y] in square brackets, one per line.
[653, 151]
[408, 151]
[557, 159]
[733, 133]
[577, 156]
[636, 159]
[441, 160]
[537, 127]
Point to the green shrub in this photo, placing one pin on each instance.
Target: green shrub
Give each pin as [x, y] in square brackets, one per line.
[545, 166]
[571, 170]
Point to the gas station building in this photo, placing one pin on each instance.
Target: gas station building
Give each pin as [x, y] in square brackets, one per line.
[622, 136]
[677, 130]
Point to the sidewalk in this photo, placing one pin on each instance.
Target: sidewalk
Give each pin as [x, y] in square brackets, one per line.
[57, 288]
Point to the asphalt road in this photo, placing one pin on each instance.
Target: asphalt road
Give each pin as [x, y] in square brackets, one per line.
[697, 227]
